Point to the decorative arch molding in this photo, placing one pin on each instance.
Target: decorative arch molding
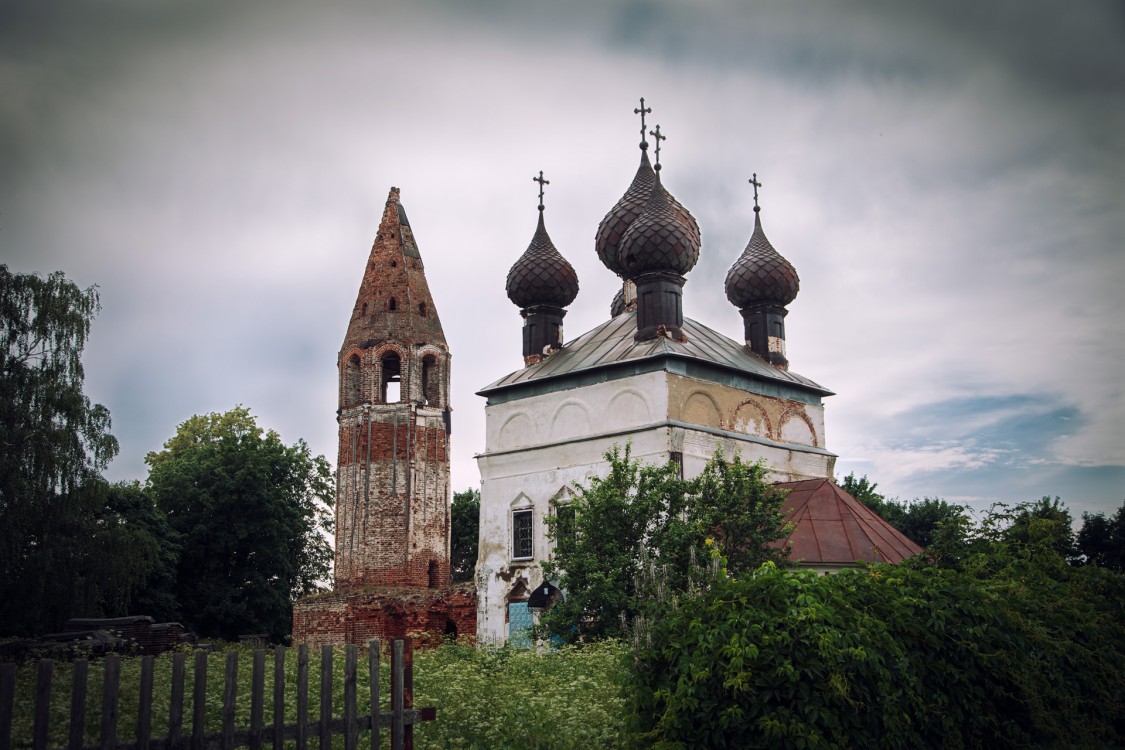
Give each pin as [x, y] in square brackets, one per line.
[701, 408]
[630, 405]
[796, 412]
[752, 405]
[516, 431]
[386, 347]
[355, 351]
[571, 419]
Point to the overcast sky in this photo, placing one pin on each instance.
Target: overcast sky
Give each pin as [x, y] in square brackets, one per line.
[946, 177]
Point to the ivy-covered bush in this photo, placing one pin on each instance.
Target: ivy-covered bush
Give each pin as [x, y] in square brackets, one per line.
[896, 657]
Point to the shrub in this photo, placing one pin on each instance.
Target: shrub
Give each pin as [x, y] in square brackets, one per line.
[911, 656]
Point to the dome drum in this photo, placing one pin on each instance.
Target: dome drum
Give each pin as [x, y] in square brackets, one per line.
[764, 327]
[659, 305]
[542, 332]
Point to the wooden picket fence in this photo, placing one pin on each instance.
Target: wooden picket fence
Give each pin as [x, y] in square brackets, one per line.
[399, 720]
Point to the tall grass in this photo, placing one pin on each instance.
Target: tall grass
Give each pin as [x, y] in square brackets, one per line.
[567, 698]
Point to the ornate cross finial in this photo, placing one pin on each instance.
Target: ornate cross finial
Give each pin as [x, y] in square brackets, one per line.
[541, 182]
[642, 111]
[756, 184]
[656, 134]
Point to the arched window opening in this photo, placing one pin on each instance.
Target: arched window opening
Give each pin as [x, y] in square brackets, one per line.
[451, 630]
[394, 264]
[432, 574]
[352, 381]
[431, 385]
[389, 388]
[364, 308]
[392, 305]
[422, 309]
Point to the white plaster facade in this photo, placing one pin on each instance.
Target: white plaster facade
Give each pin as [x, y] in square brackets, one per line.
[541, 445]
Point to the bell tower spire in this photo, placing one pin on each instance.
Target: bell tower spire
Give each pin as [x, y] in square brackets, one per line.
[392, 484]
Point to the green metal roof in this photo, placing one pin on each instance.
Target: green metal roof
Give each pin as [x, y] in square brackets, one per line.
[610, 351]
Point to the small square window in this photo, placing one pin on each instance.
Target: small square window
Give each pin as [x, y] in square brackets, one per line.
[522, 548]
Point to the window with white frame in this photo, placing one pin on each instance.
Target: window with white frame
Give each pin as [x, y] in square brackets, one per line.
[522, 545]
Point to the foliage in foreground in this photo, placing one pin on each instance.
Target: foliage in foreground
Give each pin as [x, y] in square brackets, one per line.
[568, 698]
[608, 536]
[1010, 647]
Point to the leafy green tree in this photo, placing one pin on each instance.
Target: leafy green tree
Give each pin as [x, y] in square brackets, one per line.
[640, 515]
[61, 552]
[1101, 540]
[464, 534]
[1043, 521]
[251, 515]
[918, 519]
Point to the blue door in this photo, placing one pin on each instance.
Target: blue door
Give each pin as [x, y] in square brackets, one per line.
[519, 625]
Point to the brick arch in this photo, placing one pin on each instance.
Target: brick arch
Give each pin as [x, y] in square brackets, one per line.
[697, 401]
[761, 411]
[377, 356]
[796, 411]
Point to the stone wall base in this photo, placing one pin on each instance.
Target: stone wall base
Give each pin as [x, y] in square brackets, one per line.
[427, 615]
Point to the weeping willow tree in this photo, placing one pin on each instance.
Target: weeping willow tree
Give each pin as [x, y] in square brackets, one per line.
[63, 549]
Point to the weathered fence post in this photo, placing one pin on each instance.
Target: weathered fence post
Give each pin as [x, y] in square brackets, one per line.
[278, 697]
[42, 704]
[397, 733]
[230, 689]
[199, 702]
[7, 701]
[176, 703]
[78, 704]
[325, 697]
[302, 697]
[144, 705]
[257, 698]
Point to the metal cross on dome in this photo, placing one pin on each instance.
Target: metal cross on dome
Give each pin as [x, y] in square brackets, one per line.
[656, 134]
[541, 182]
[642, 111]
[756, 184]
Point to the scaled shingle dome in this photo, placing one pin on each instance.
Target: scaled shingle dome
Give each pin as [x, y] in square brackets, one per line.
[617, 306]
[760, 274]
[660, 239]
[621, 216]
[542, 276]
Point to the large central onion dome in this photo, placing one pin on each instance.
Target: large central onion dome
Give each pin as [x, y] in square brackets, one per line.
[659, 239]
[760, 274]
[542, 276]
[617, 221]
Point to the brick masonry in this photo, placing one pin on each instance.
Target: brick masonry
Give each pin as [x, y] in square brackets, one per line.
[392, 468]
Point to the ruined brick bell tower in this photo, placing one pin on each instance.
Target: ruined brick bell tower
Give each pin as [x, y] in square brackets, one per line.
[392, 470]
[392, 489]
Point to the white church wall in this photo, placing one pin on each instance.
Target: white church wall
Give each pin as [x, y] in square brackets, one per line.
[538, 448]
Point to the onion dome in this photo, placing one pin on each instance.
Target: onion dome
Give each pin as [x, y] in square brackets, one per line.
[617, 306]
[660, 239]
[617, 221]
[542, 276]
[760, 274]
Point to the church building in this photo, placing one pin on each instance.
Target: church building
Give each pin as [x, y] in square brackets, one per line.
[671, 387]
